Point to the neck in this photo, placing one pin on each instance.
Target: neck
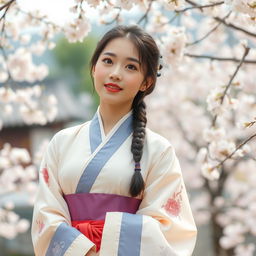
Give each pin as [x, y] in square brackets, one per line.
[111, 114]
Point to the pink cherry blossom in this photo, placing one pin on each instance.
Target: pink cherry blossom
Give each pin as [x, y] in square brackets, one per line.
[78, 30]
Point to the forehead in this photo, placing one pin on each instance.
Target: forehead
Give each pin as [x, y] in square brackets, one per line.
[122, 47]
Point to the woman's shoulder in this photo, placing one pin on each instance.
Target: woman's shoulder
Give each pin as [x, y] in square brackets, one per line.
[70, 132]
[157, 142]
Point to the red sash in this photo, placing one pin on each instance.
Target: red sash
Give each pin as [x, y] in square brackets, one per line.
[92, 229]
[88, 211]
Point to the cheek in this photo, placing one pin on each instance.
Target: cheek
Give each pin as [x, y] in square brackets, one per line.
[136, 81]
[99, 72]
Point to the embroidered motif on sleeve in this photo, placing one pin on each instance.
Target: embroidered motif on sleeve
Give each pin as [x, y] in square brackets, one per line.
[58, 248]
[173, 205]
[45, 175]
[40, 225]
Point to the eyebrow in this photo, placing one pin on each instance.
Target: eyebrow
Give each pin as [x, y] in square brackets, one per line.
[128, 58]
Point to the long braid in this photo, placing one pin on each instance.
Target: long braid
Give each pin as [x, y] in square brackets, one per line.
[139, 123]
[149, 58]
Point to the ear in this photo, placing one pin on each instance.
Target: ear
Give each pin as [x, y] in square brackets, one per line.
[146, 84]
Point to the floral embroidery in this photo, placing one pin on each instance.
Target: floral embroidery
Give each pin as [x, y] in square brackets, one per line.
[40, 226]
[45, 175]
[173, 205]
[58, 248]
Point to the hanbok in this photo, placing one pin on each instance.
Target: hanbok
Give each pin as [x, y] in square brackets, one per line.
[83, 199]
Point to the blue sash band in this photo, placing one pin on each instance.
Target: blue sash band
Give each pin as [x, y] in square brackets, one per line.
[95, 134]
[62, 239]
[130, 235]
[100, 159]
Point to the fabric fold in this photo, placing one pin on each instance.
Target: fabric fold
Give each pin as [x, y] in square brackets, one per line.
[92, 229]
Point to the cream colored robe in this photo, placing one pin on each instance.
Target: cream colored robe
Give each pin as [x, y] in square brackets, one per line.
[163, 224]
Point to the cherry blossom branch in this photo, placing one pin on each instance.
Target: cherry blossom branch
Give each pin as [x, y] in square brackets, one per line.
[224, 22]
[249, 124]
[223, 174]
[218, 58]
[80, 8]
[247, 49]
[201, 7]
[115, 18]
[8, 4]
[205, 36]
[145, 16]
[178, 12]
[110, 3]
[235, 27]
[231, 154]
[42, 19]
[208, 33]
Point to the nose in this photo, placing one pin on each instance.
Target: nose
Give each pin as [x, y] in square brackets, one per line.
[115, 75]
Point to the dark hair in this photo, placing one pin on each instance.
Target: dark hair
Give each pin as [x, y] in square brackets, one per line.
[149, 57]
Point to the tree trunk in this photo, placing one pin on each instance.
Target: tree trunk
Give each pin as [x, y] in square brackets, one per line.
[3, 246]
[216, 234]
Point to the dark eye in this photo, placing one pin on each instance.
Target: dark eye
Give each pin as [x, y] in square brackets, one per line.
[132, 67]
[107, 60]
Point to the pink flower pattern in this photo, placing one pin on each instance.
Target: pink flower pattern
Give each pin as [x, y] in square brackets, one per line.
[40, 225]
[45, 175]
[173, 205]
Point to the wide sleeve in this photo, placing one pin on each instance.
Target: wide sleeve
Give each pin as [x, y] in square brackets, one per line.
[52, 233]
[163, 225]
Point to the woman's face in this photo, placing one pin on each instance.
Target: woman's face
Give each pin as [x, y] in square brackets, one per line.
[118, 74]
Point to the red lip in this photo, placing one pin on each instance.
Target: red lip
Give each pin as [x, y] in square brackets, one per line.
[114, 85]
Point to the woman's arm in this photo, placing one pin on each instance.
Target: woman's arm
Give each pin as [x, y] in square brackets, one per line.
[52, 233]
[163, 225]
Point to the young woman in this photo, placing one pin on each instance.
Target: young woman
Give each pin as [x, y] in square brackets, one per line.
[111, 186]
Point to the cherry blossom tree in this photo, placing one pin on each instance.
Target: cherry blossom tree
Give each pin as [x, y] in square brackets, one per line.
[204, 101]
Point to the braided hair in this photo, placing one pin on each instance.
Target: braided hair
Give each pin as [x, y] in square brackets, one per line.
[149, 57]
